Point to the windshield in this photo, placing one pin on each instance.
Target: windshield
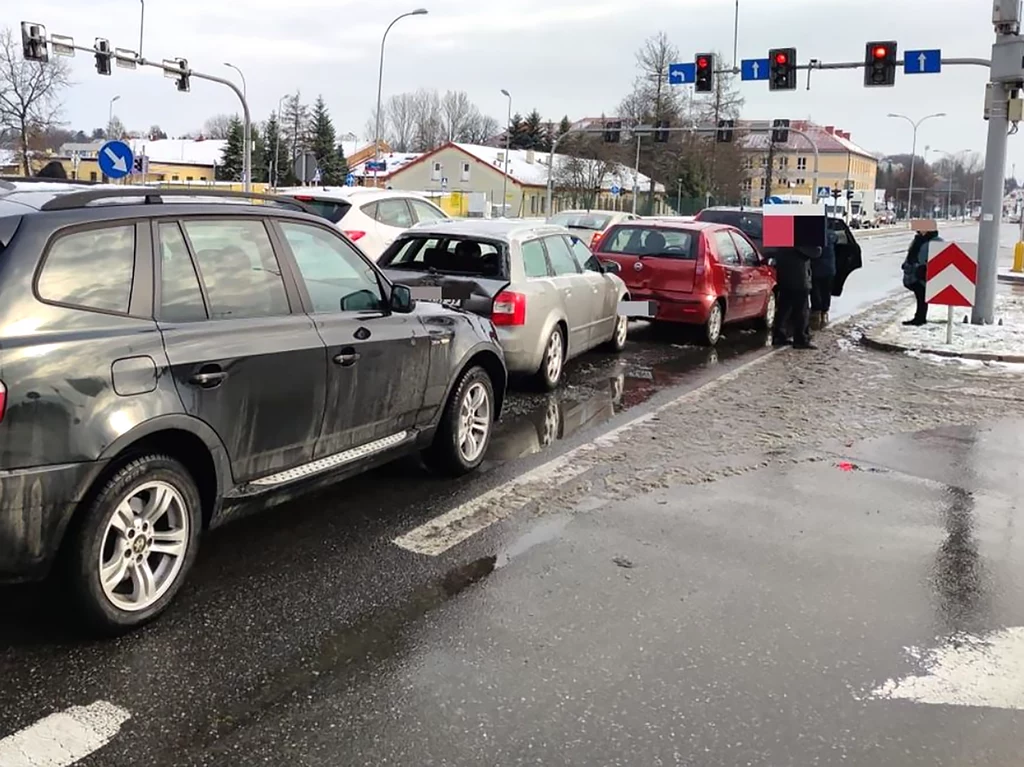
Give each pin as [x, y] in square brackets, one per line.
[748, 223]
[649, 241]
[332, 210]
[448, 255]
[590, 221]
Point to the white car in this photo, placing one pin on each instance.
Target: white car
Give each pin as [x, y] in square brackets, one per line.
[371, 218]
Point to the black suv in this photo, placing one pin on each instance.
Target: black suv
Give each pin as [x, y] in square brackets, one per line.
[168, 357]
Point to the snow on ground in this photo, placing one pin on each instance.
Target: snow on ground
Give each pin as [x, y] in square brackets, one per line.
[996, 339]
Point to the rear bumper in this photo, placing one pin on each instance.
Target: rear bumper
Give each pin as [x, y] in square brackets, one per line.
[523, 353]
[35, 507]
[689, 309]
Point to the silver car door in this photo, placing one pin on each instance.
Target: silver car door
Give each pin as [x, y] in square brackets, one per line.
[606, 299]
[577, 295]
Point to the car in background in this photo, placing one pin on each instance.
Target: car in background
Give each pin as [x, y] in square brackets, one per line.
[590, 225]
[371, 218]
[171, 358]
[696, 273]
[548, 296]
[750, 221]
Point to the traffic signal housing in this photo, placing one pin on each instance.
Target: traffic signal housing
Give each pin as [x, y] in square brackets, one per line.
[780, 131]
[782, 69]
[103, 56]
[613, 131]
[33, 42]
[880, 64]
[662, 132]
[177, 70]
[725, 131]
[836, 193]
[704, 79]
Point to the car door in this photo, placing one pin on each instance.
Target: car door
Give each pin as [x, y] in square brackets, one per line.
[378, 362]
[425, 212]
[577, 295]
[758, 278]
[605, 289]
[737, 299]
[393, 216]
[848, 254]
[244, 357]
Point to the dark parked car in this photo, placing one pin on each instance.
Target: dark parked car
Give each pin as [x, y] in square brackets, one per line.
[750, 222]
[168, 358]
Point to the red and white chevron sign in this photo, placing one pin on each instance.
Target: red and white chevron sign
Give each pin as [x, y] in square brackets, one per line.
[952, 275]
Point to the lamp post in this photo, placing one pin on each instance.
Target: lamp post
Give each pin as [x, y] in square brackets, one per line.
[508, 146]
[246, 137]
[949, 189]
[277, 142]
[110, 115]
[380, 84]
[142, 24]
[913, 154]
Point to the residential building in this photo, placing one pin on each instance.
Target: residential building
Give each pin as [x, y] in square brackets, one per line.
[174, 160]
[461, 169]
[842, 164]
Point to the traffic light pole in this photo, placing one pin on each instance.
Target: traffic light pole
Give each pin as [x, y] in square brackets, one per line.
[708, 130]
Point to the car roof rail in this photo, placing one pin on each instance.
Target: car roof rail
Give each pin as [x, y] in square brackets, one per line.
[155, 195]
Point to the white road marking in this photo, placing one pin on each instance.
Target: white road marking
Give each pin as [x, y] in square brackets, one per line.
[986, 671]
[463, 522]
[61, 739]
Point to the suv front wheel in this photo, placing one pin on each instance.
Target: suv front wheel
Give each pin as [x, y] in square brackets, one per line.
[464, 432]
[133, 548]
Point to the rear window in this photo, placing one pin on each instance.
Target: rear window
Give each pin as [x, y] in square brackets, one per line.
[650, 241]
[448, 255]
[748, 223]
[332, 210]
[590, 221]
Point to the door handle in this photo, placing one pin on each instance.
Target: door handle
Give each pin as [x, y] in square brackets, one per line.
[209, 380]
[347, 357]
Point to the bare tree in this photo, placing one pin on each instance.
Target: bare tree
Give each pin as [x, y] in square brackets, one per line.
[481, 129]
[583, 170]
[29, 94]
[218, 126]
[458, 114]
[424, 120]
[115, 128]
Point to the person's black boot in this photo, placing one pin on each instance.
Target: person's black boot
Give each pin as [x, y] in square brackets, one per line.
[780, 342]
[804, 345]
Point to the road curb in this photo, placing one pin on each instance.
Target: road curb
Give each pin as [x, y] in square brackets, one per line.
[890, 346]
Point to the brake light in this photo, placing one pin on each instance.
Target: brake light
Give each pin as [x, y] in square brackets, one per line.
[509, 309]
[3, 400]
[595, 240]
[303, 198]
[353, 235]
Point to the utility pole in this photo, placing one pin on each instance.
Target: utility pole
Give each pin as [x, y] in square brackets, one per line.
[636, 176]
[1007, 75]
[769, 167]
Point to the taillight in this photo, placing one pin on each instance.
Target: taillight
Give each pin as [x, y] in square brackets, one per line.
[509, 309]
[595, 240]
[3, 400]
[353, 235]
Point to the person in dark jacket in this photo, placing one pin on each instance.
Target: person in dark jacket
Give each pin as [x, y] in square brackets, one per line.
[793, 274]
[915, 273]
[823, 273]
[52, 169]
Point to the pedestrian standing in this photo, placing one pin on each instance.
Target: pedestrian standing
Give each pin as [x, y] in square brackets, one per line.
[915, 272]
[793, 275]
[823, 273]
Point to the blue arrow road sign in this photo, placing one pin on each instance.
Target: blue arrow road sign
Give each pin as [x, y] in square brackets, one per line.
[350, 180]
[773, 200]
[615, 190]
[681, 74]
[754, 69]
[115, 159]
[922, 62]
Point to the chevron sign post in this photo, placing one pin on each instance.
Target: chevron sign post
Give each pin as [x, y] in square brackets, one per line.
[951, 278]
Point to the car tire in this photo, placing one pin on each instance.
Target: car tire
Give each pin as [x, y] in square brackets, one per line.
[469, 411]
[712, 329]
[552, 365]
[152, 499]
[767, 318]
[619, 336]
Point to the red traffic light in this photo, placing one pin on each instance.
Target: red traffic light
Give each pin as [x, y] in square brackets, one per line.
[702, 62]
[781, 58]
[880, 51]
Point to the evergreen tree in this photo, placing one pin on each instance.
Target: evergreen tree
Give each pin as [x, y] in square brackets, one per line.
[324, 143]
[295, 127]
[230, 167]
[260, 158]
[565, 126]
[515, 132]
[534, 131]
[276, 143]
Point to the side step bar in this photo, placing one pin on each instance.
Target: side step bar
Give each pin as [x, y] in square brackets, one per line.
[333, 461]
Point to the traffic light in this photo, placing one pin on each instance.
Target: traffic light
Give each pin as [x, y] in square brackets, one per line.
[613, 131]
[780, 131]
[178, 70]
[662, 132]
[782, 69]
[704, 80]
[33, 42]
[137, 164]
[102, 48]
[836, 193]
[849, 194]
[725, 131]
[880, 63]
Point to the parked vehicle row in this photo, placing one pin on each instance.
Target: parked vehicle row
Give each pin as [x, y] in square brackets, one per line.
[170, 358]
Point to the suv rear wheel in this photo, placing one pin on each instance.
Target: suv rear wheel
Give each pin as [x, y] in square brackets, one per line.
[135, 544]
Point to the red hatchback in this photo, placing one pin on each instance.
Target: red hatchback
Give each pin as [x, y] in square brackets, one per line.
[696, 273]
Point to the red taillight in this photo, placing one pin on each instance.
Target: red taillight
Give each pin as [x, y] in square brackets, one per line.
[595, 240]
[303, 198]
[3, 400]
[353, 235]
[509, 309]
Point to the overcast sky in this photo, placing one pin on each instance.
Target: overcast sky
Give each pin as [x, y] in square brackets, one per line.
[572, 57]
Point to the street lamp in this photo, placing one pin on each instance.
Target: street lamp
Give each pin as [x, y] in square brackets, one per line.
[913, 154]
[949, 190]
[380, 84]
[277, 141]
[246, 137]
[508, 145]
[110, 115]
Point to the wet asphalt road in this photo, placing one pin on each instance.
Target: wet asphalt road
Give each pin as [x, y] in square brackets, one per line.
[292, 617]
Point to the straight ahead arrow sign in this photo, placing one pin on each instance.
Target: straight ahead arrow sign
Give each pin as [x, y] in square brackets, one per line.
[757, 69]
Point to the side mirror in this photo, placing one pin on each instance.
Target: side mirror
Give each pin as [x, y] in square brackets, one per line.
[611, 267]
[401, 299]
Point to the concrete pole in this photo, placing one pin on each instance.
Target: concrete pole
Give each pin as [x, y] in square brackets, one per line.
[636, 174]
[991, 209]
[508, 148]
